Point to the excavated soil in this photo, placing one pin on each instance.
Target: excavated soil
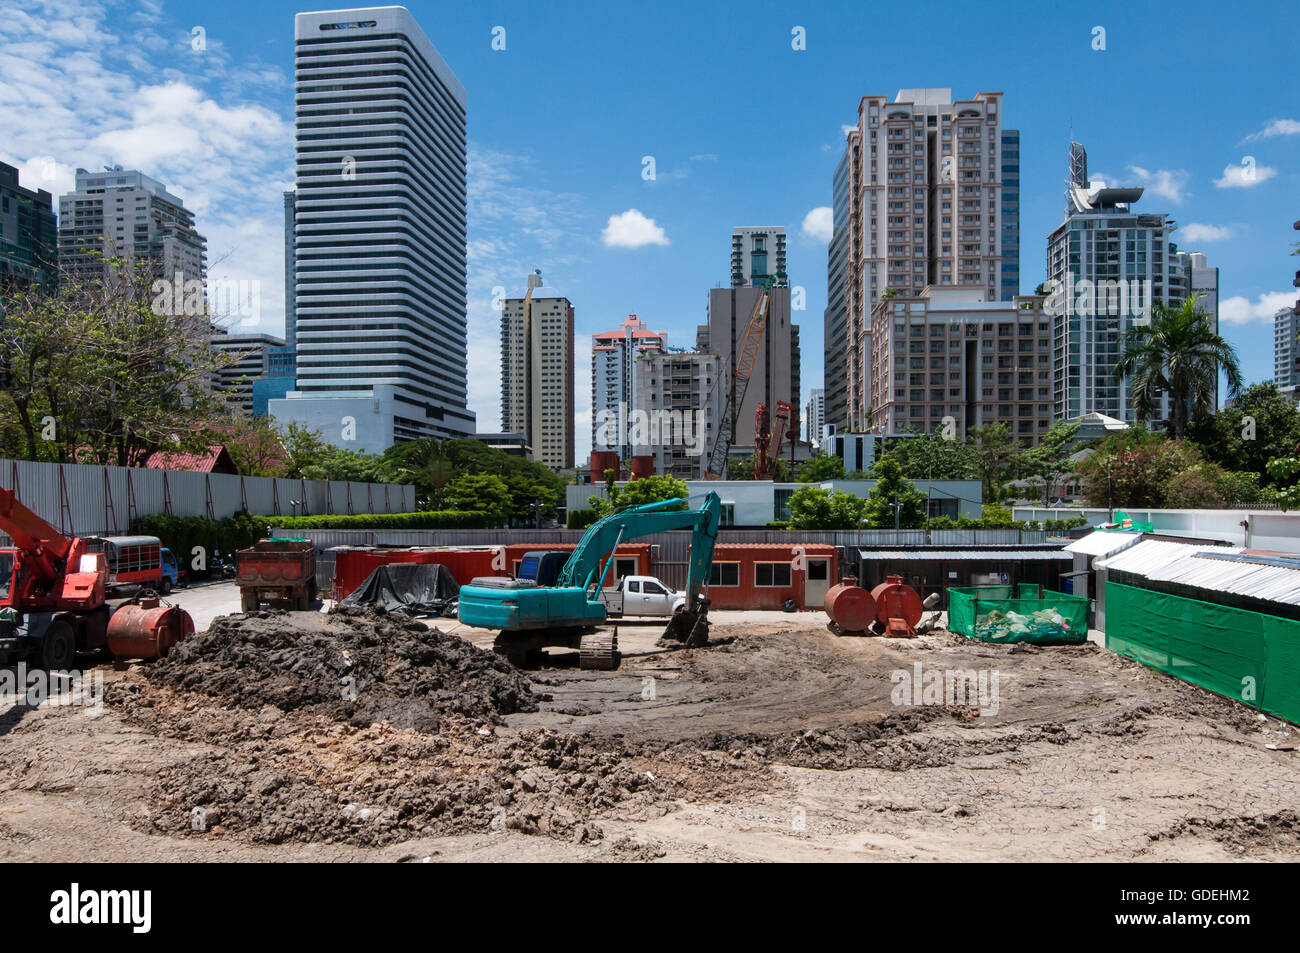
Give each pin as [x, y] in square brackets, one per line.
[281, 735]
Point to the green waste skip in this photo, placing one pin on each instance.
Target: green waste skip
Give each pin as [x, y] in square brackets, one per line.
[988, 614]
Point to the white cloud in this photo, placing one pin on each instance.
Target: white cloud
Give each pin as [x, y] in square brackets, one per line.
[1278, 127]
[818, 224]
[1244, 176]
[1167, 183]
[847, 128]
[1241, 310]
[1197, 232]
[631, 229]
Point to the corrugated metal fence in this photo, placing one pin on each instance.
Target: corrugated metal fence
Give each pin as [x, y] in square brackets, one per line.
[672, 548]
[84, 499]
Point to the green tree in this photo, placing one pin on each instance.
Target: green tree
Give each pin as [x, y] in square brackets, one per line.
[894, 501]
[1285, 472]
[821, 468]
[254, 445]
[1136, 470]
[992, 449]
[1178, 353]
[811, 507]
[479, 493]
[1050, 460]
[1262, 424]
[929, 456]
[104, 369]
[650, 489]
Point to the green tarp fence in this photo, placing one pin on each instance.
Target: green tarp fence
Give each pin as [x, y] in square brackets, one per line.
[994, 614]
[1249, 656]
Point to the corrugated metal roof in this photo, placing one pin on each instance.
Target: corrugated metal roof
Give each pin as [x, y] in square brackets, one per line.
[1101, 542]
[1196, 566]
[973, 555]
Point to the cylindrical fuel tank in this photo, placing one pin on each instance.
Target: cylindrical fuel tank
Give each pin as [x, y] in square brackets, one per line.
[897, 600]
[147, 629]
[850, 607]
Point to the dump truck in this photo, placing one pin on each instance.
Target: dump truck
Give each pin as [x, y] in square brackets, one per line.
[276, 570]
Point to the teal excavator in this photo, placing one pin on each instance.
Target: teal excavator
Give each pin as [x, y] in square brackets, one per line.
[531, 617]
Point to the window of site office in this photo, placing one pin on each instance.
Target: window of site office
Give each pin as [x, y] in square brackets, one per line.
[725, 575]
[771, 575]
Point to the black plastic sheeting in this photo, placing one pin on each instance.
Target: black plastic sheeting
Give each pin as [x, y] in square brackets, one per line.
[413, 588]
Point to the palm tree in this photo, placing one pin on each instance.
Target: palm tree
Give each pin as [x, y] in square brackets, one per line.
[1180, 353]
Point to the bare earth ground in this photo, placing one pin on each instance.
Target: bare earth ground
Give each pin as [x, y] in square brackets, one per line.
[777, 742]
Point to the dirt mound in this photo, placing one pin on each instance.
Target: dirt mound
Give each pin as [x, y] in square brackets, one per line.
[356, 666]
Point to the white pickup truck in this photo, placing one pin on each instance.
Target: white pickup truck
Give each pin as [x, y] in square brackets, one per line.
[641, 595]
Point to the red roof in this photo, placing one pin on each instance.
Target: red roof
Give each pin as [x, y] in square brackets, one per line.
[215, 460]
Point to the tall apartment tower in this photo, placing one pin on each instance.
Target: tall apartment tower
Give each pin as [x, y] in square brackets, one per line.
[776, 373]
[250, 360]
[1286, 327]
[290, 272]
[29, 241]
[1107, 264]
[815, 415]
[948, 356]
[119, 213]
[537, 371]
[835, 317]
[380, 230]
[756, 254]
[926, 208]
[678, 394]
[613, 380]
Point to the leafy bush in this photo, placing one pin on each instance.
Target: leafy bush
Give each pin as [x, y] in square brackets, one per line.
[581, 519]
[778, 524]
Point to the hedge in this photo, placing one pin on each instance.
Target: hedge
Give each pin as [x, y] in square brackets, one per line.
[580, 519]
[181, 534]
[429, 519]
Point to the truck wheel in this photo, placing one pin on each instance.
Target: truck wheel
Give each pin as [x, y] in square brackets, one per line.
[59, 647]
[165, 586]
[248, 600]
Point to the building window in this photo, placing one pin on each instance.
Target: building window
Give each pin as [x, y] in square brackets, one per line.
[725, 575]
[771, 575]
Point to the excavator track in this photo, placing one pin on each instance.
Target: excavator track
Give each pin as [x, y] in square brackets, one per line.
[599, 651]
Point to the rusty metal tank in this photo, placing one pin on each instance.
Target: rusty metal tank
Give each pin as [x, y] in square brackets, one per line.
[898, 605]
[147, 629]
[851, 608]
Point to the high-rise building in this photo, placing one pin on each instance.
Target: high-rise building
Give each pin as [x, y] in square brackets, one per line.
[380, 229]
[835, 317]
[249, 360]
[537, 371]
[613, 380]
[29, 242]
[949, 358]
[1286, 328]
[815, 415]
[756, 254]
[926, 208]
[1010, 265]
[776, 371]
[290, 272]
[120, 213]
[677, 412]
[1106, 265]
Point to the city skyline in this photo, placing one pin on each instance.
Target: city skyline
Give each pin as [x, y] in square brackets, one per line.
[620, 235]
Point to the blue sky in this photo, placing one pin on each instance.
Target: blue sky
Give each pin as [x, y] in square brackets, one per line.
[744, 130]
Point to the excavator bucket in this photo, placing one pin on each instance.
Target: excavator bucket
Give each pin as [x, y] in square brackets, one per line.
[689, 628]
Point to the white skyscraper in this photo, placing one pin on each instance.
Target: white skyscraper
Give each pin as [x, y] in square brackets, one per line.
[379, 232]
[613, 380]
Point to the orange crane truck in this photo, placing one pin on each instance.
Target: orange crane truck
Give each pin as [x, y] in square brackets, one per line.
[53, 605]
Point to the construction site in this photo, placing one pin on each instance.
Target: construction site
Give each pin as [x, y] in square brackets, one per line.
[563, 703]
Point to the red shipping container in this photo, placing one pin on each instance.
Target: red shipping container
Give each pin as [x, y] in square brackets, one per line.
[765, 575]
